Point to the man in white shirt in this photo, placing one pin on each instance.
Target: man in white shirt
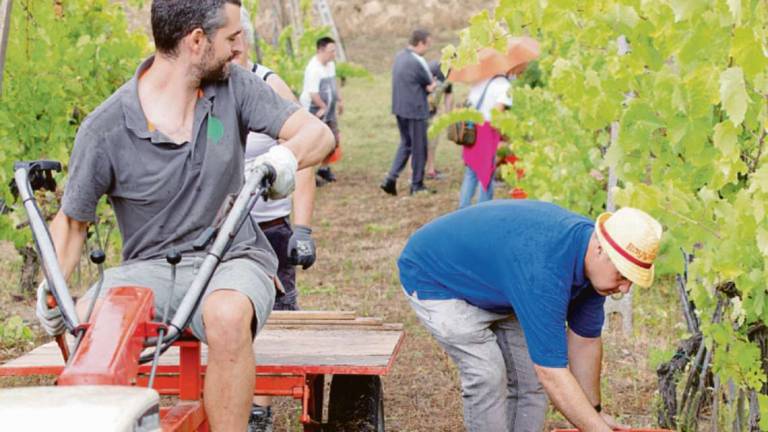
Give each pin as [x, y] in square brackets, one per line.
[321, 95]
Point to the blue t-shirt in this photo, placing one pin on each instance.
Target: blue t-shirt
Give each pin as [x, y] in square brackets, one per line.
[504, 256]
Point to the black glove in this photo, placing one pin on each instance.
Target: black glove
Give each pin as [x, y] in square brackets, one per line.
[301, 247]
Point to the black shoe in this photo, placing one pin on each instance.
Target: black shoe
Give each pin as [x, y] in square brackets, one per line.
[389, 186]
[260, 419]
[421, 189]
[326, 174]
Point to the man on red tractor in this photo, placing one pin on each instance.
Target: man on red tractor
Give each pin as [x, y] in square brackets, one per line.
[167, 149]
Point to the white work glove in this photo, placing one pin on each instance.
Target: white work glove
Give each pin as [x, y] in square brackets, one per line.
[50, 319]
[281, 158]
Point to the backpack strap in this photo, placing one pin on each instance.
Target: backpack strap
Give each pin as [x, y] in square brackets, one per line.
[488, 84]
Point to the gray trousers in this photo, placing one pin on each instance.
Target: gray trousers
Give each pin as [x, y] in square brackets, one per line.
[413, 144]
[499, 386]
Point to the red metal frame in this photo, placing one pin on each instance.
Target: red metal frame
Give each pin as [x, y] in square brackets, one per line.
[113, 342]
[184, 417]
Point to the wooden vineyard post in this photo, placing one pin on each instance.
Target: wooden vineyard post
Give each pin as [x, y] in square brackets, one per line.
[5, 23]
[623, 306]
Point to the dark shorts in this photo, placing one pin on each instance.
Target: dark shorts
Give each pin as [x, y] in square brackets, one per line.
[278, 236]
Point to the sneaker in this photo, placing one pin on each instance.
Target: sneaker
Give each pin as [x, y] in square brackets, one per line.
[326, 174]
[260, 419]
[389, 186]
[421, 189]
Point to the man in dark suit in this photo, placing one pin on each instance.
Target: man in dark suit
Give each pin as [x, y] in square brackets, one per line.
[411, 83]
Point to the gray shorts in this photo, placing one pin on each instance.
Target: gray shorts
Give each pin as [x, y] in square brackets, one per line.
[241, 275]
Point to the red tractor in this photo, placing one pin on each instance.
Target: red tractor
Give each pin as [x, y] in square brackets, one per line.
[115, 364]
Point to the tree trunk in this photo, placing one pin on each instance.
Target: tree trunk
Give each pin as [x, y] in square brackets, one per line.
[759, 335]
[669, 374]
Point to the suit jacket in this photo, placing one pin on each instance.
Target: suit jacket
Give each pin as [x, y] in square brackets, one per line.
[409, 81]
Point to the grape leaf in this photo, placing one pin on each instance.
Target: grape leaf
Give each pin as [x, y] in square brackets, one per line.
[733, 94]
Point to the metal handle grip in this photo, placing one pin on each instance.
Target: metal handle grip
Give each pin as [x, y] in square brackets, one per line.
[50, 263]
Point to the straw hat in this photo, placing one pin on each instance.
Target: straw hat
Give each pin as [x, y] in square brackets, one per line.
[631, 237]
[520, 51]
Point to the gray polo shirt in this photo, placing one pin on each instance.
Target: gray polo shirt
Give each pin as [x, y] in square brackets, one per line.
[163, 194]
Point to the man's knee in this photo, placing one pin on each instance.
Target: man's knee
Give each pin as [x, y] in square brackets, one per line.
[228, 316]
[484, 379]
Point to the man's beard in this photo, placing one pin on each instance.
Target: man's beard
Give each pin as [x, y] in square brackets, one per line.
[211, 70]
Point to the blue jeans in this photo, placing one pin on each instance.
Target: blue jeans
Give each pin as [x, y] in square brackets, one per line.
[469, 187]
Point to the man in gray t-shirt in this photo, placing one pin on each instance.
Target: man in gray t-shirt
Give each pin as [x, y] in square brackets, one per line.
[167, 150]
[411, 83]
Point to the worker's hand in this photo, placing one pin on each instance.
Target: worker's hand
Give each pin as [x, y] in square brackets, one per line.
[280, 158]
[321, 113]
[612, 423]
[301, 247]
[432, 87]
[50, 318]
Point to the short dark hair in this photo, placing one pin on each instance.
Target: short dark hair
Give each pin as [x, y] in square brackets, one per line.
[324, 42]
[172, 20]
[418, 36]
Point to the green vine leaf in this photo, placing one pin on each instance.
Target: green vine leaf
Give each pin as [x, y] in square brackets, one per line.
[733, 94]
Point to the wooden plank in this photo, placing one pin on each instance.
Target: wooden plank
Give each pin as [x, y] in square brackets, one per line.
[311, 315]
[276, 346]
[328, 361]
[345, 322]
[303, 326]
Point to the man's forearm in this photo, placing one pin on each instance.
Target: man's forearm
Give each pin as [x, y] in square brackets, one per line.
[304, 197]
[317, 100]
[568, 397]
[68, 236]
[585, 357]
[309, 139]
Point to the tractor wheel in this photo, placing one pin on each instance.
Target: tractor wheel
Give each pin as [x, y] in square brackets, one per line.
[356, 404]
